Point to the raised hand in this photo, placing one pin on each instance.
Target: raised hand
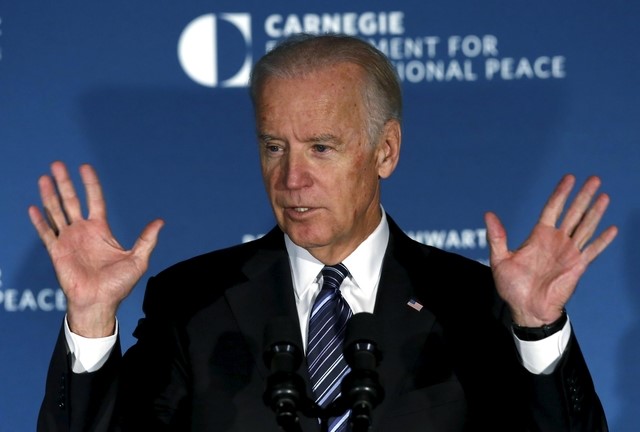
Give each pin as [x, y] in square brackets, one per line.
[95, 272]
[538, 278]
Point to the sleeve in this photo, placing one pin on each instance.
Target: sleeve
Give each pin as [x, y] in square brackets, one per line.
[75, 402]
[88, 354]
[566, 400]
[541, 357]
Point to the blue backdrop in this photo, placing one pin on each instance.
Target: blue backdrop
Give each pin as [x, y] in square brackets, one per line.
[502, 98]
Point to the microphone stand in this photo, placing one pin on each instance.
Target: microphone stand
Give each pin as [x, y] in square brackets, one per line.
[285, 389]
[361, 390]
[361, 387]
[283, 394]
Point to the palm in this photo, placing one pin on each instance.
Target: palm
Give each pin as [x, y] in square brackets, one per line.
[543, 271]
[87, 256]
[537, 279]
[94, 271]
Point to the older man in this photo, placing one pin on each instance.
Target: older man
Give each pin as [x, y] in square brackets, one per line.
[489, 349]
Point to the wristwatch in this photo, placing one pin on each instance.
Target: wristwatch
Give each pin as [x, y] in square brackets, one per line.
[539, 333]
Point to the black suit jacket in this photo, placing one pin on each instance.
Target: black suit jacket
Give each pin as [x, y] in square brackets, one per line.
[198, 362]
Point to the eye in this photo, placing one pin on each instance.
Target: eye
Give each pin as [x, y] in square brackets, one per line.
[321, 148]
[272, 148]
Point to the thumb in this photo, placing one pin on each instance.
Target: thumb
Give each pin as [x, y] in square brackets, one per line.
[148, 239]
[496, 237]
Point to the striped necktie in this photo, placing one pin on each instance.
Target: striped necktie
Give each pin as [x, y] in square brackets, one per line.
[327, 324]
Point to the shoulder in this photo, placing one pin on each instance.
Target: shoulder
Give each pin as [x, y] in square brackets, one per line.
[447, 281]
[202, 279]
[226, 263]
[421, 257]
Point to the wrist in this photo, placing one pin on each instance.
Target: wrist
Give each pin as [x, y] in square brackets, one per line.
[538, 333]
[93, 323]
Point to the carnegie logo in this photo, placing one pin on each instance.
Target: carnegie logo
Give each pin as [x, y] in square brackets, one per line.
[199, 50]
[217, 50]
[209, 46]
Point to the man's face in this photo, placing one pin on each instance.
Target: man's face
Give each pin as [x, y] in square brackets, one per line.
[319, 169]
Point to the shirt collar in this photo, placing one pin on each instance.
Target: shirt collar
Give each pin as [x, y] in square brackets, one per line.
[364, 263]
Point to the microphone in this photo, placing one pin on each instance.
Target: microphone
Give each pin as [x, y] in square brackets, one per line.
[361, 387]
[282, 355]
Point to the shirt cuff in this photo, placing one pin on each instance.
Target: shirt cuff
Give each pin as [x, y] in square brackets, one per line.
[542, 357]
[88, 354]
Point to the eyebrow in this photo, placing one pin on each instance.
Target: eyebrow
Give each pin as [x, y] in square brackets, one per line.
[325, 138]
[265, 137]
[314, 139]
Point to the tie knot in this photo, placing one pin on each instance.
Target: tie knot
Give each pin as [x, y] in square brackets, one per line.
[334, 275]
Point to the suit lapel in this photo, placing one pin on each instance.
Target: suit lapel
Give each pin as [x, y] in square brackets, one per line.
[267, 293]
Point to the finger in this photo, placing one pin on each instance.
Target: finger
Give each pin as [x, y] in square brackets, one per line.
[52, 223]
[68, 196]
[147, 241]
[580, 204]
[496, 237]
[95, 198]
[555, 204]
[589, 223]
[46, 234]
[51, 203]
[596, 247]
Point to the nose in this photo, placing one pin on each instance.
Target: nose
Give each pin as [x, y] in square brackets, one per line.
[296, 171]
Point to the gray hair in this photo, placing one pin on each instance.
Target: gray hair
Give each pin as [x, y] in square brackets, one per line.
[303, 53]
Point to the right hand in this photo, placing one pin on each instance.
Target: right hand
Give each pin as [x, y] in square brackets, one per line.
[95, 272]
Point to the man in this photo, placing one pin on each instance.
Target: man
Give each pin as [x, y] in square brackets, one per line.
[490, 349]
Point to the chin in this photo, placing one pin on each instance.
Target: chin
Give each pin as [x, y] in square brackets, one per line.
[305, 239]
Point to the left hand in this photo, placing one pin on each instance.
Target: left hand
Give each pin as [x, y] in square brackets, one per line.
[538, 278]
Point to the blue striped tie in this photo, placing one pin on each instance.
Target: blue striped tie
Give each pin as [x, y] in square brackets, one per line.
[327, 324]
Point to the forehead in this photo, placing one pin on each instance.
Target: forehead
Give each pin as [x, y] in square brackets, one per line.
[344, 79]
[331, 90]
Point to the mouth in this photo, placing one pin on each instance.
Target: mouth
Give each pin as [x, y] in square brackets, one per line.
[299, 213]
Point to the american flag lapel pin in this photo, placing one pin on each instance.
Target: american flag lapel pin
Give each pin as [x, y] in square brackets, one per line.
[413, 303]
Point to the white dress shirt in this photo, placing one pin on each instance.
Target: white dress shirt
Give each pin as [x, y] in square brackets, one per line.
[359, 288]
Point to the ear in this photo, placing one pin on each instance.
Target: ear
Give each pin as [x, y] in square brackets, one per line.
[388, 151]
